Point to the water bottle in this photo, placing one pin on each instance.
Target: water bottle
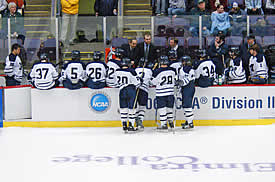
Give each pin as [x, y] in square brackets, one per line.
[220, 79]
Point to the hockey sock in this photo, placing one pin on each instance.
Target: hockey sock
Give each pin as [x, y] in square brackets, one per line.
[132, 116]
[189, 116]
[141, 112]
[123, 114]
[170, 114]
[162, 115]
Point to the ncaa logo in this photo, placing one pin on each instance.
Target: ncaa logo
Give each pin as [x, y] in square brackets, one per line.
[100, 102]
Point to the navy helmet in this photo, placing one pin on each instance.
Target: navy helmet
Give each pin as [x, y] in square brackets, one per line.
[125, 62]
[120, 53]
[186, 60]
[164, 60]
[97, 55]
[201, 53]
[172, 54]
[44, 56]
[75, 55]
[234, 51]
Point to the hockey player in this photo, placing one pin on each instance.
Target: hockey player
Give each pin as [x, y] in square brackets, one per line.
[204, 70]
[143, 71]
[43, 74]
[96, 72]
[13, 67]
[235, 73]
[73, 72]
[174, 62]
[164, 79]
[113, 65]
[127, 81]
[187, 83]
[257, 66]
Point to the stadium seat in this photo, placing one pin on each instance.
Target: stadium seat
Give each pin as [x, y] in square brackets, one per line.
[170, 32]
[233, 40]
[270, 20]
[117, 42]
[193, 42]
[182, 22]
[160, 41]
[268, 40]
[32, 47]
[180, 32]
[253, 18]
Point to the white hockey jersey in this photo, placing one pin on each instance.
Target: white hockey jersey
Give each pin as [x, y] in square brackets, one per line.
[177, 65]
[146, 75]
[186, 75]
[164, 79]
[258, 67]
[236, 71]
[14, 67]
[97, 71]
[205, 68]
[74, 71]
[43, 75]
[112, 65]
[126, 77]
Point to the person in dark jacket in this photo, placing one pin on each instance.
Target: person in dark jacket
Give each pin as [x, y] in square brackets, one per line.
[146, 49]
[106, 7]
[131, 51]
[173, 45]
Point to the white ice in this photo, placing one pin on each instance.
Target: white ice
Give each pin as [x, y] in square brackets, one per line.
[109, 155]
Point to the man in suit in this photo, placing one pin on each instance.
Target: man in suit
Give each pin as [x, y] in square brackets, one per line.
[146, 49]
[131, 51]
[173, 45]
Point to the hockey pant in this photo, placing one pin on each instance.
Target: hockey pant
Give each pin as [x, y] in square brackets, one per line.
[69, 85]
[165, 106]
[142, 101]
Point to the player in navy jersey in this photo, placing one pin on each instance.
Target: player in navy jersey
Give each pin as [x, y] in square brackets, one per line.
[127, 81]
[235, 73]
[257, 66]
[187, 83]
[73, 73]
[43, 74]
[164, 79]
[113, 65]
[96, 72]
[205, 70]
[174, 61]
[13, 67]
[144, 71]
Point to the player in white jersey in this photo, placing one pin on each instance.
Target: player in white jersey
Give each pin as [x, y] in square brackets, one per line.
[96, 72]
[73, 73]
[43, 74]
[205, 70]
[113, 65]
[257, 66]
[235, 73]
[174, 61]
[187, 83]
[13, 67]
[144, 71]
[127, 81]
[164, 79]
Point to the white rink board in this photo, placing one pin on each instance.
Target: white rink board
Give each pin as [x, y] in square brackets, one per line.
[60, 104]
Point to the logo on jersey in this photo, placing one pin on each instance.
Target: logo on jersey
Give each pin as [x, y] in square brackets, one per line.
[100, 102]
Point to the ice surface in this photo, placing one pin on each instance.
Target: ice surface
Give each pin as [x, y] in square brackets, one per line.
[206, 154]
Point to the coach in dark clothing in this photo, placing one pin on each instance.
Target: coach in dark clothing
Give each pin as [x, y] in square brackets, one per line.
[217, 52]
[106, 7]
[146, 49]
[131, 50]
[173, 45]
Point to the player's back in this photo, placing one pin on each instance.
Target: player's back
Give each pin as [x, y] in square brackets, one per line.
[258, 66]
[205, 68]
[176, 65]
[97, 71]
[74, 71]
[164, 79]
[43, 75]
[126, 77]
[112, 65]
[146, 74]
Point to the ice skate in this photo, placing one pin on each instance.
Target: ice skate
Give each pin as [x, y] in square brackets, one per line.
[124, 127]
[163, 128]
[131, 128]
[139, 124]
[186, 126]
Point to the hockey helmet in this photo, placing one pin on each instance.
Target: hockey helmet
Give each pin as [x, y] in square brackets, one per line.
[44, 56]
[234, 51]
[172, 54]
[75, 55]
[97, 55]
[150, 65]
[164, 60]
[201, 53]
[186, 60]
[119, 53]
[142, 61]
[125, 62]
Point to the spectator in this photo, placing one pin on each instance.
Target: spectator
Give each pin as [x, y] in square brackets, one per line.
[245, 51]
[176, 7]
[3, 7]
[131, 50]
[254, 7]
[260, 27]
[16, 22]
[173, 45]
[220, 21]
[200, 10]
[69, 18]
[217, 52]
[238, 19]
[20, 4]
[161, 7]
[270, 7]
[214, 4]
[146, 49]
[13, 67]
